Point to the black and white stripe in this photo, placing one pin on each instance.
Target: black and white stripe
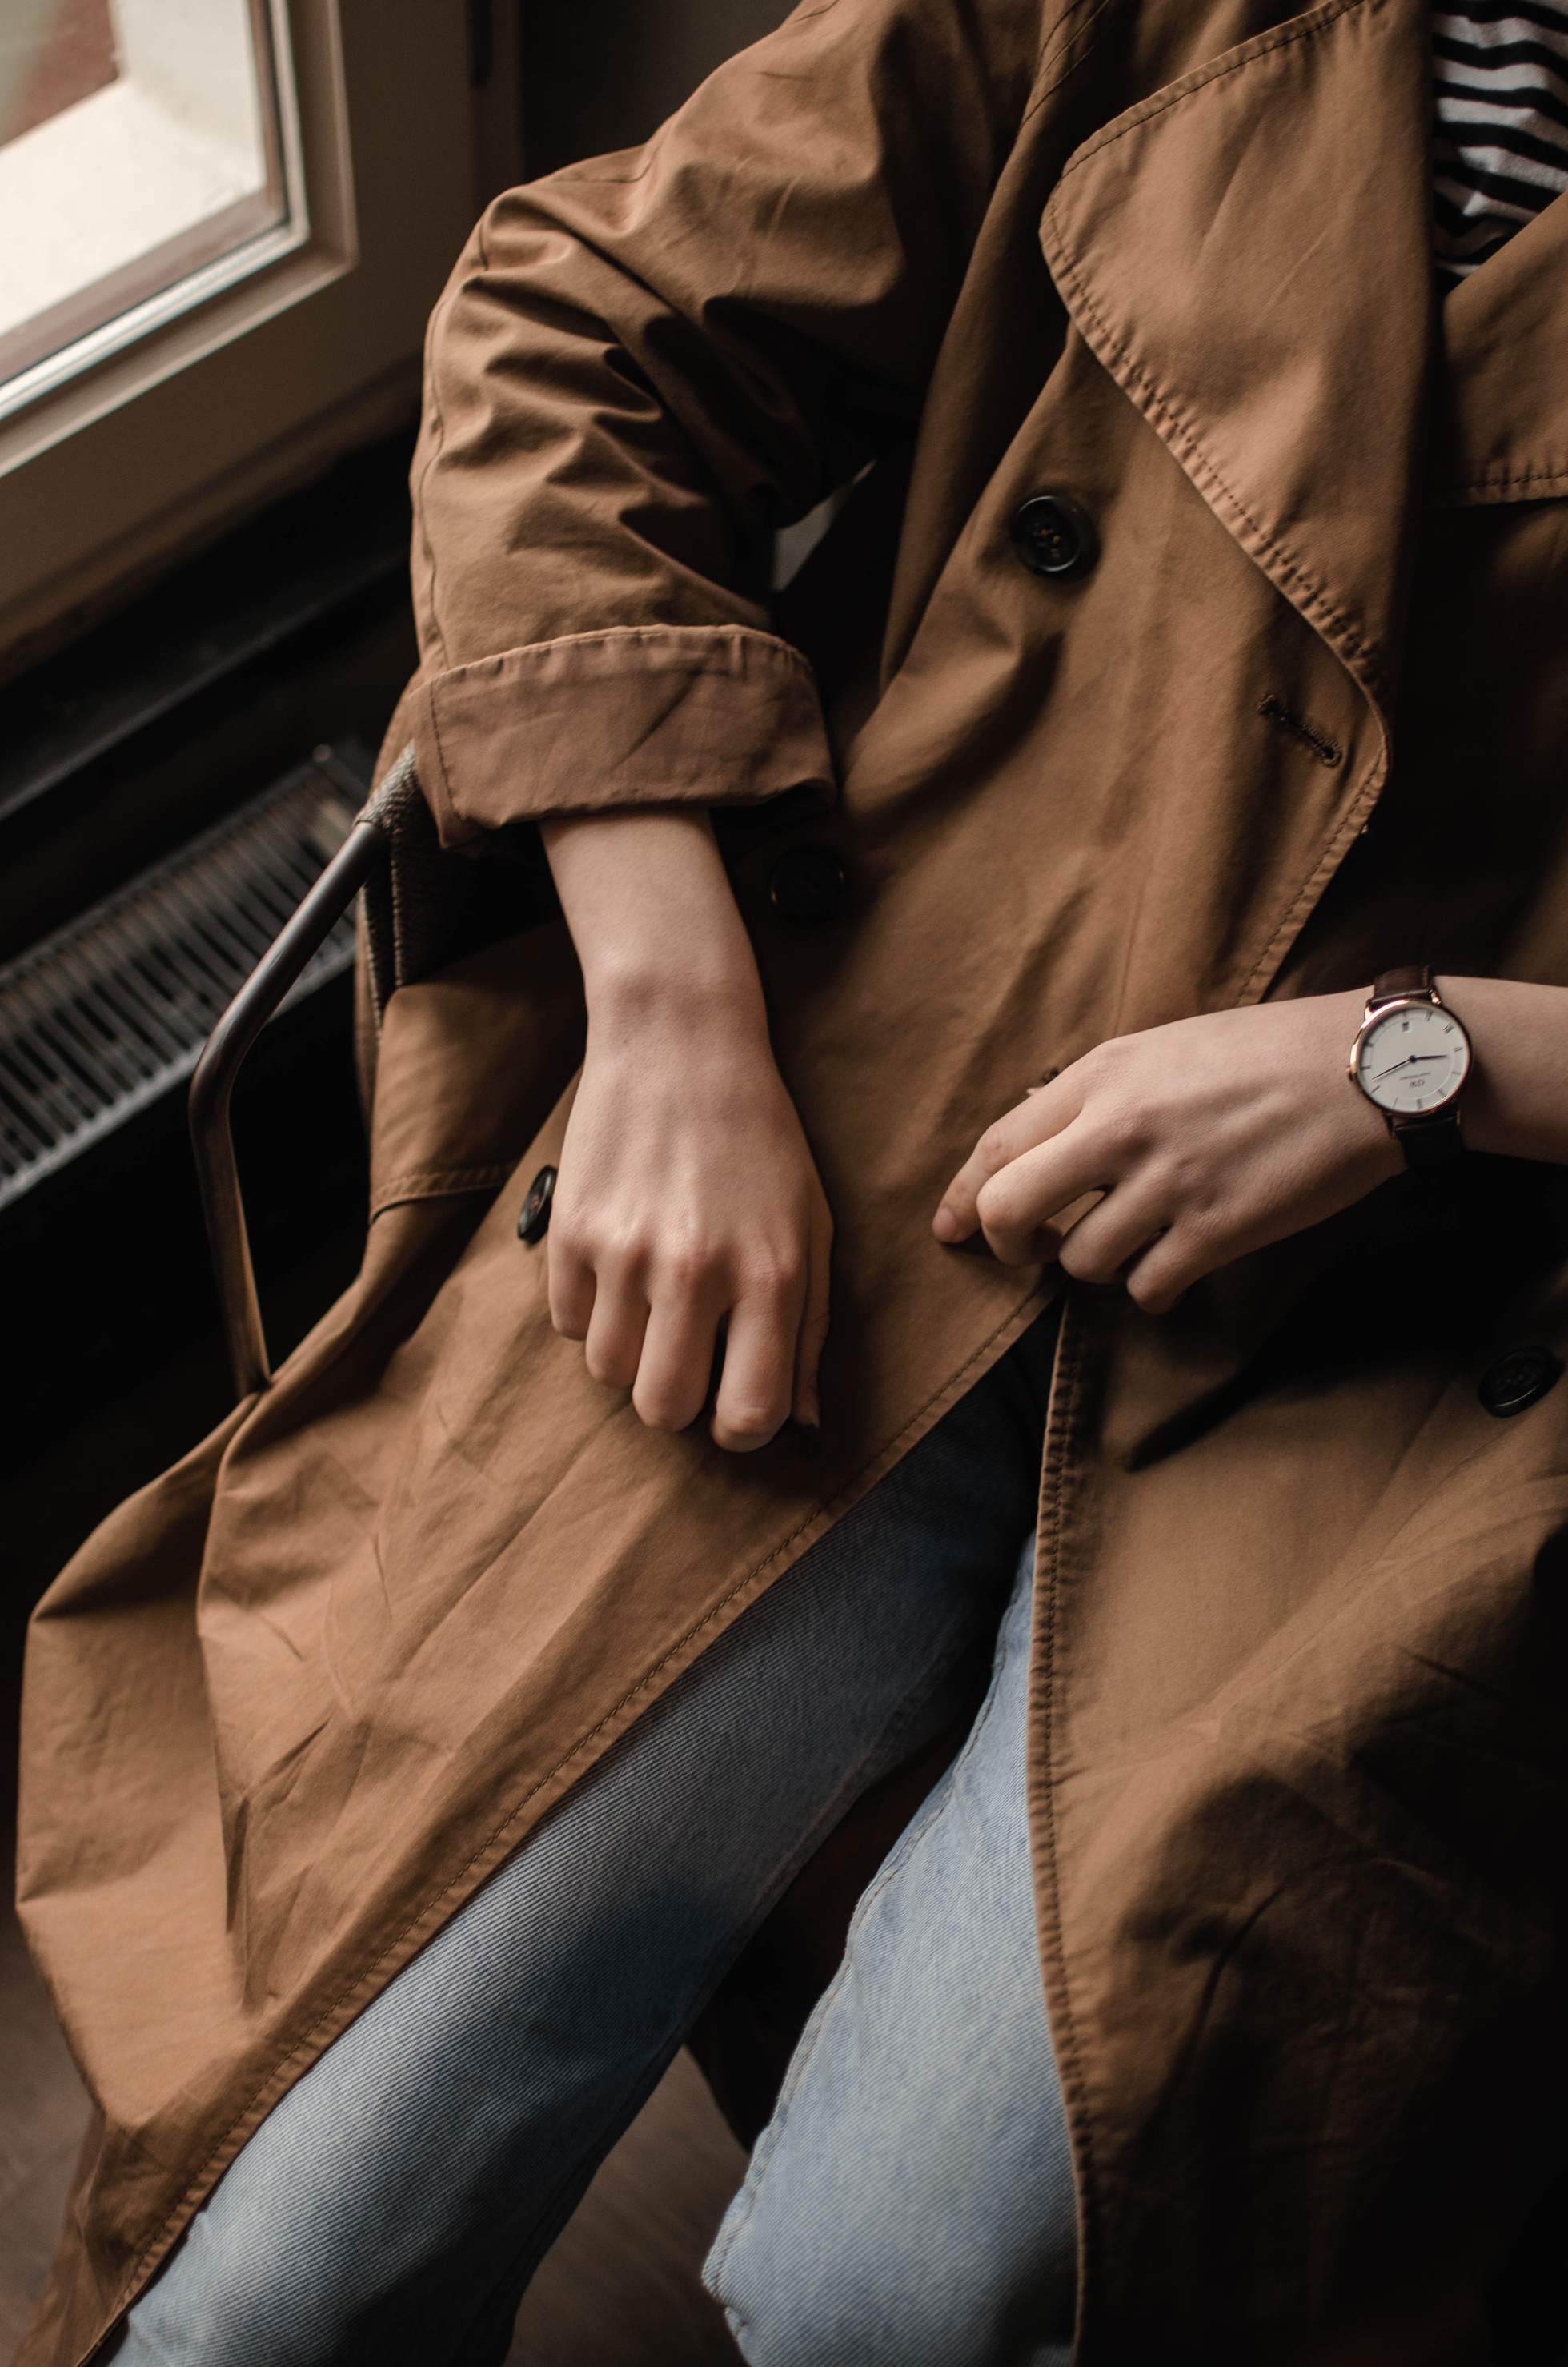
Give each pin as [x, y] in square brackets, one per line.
[1500, 68]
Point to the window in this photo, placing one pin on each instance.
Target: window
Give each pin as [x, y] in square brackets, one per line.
[225, 223]
[152, 148]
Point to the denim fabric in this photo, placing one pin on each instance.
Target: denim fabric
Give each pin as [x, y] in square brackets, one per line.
[394, 2204]
[911, 2202]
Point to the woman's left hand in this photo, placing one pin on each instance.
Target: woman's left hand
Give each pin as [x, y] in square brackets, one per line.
[1207, 1139]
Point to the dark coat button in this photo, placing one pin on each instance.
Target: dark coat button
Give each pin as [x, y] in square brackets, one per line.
[1053, 536]
[1519, 1379]
[534, 1221]
[807, 884]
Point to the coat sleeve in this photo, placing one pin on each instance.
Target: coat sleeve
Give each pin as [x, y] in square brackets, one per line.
[643, 365]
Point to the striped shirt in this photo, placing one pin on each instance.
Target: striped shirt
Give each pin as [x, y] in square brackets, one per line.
[1500, 68]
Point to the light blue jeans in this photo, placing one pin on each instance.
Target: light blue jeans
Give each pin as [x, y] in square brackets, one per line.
[911, 2204]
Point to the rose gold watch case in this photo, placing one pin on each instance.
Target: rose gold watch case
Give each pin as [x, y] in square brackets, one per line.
[1374, 1015]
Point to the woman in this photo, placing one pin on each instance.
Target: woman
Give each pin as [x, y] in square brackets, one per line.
[467, 1701]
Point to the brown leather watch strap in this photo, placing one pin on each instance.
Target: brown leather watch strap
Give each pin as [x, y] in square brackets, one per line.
[1430, 1144]
[1414, 978]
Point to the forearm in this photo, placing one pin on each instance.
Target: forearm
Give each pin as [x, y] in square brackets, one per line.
[1516, 1099]
[656, 927]
[1214, 1136]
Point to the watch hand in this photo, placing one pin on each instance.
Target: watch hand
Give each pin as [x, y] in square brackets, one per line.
[1389, 1072]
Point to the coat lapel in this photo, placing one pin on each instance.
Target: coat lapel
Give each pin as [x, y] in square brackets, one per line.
[1502, 428]
[1200, 241]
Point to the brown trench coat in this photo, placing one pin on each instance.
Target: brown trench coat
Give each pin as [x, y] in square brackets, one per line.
[1297, 1774]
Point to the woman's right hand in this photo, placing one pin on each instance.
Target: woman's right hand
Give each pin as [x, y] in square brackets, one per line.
[688, 1210]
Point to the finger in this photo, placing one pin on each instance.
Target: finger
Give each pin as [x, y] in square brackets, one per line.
[1016, 1206]
[1043, 1113]
[1113, 1233]
[757, 1386]
[807, 1401]
[1167, 1268]
[676, 1370]
[612, 1349]
[572, 1285]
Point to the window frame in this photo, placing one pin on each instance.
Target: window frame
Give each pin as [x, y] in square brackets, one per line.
[193, 257]
[106, 477]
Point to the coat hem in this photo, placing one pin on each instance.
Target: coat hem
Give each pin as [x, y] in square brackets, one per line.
[368, 1982]
[1060, 1438]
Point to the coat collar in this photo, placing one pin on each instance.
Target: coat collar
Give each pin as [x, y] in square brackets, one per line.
[1200, 241]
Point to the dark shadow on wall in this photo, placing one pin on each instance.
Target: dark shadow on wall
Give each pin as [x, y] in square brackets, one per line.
[602, 74]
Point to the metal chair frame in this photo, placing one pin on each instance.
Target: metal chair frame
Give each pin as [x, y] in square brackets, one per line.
[822, 610]
[223, 1203]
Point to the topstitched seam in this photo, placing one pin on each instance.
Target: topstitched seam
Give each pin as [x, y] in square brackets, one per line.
[1074, 2088]
[1115, 355]
[303, 2042]
[1556, 475]
[621, 635]
[1157, 105]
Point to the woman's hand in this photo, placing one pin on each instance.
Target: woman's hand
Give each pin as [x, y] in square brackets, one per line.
[688, 1210]
[1207, 1139]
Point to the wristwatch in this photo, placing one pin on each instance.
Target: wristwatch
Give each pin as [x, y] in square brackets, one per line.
[1411, 1058]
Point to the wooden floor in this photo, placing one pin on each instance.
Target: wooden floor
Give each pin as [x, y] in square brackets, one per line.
[621, 2286]
[619, 2289]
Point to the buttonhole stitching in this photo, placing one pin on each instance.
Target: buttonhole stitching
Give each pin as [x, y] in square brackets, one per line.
[1277, 712]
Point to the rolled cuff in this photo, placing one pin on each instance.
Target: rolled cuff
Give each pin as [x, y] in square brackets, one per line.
[599, 722]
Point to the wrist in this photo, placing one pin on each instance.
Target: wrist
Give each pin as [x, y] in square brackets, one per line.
[637, 992]
[1516, 1097]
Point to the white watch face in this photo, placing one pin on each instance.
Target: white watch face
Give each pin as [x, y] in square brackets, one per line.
[1413, 1060]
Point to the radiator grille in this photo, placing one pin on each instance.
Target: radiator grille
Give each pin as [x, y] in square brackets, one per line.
[112, 1011]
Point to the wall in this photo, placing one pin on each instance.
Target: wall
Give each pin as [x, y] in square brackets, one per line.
[600, 74]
